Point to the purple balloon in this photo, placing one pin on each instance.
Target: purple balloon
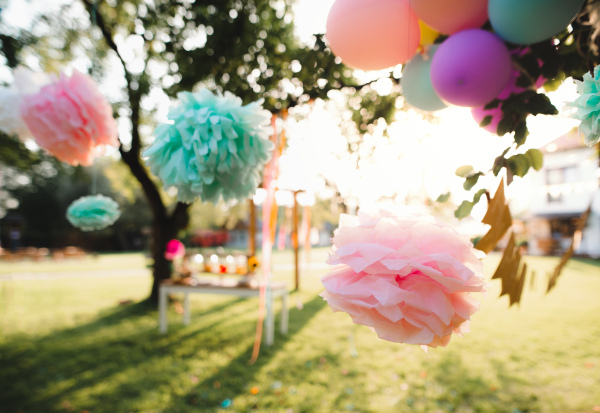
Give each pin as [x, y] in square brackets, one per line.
[470, 68]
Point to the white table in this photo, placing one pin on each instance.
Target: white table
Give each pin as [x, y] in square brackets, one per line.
[273, 290]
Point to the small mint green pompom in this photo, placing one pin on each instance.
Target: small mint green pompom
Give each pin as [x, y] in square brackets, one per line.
[215, 148]
[588, 106]
[93, 212]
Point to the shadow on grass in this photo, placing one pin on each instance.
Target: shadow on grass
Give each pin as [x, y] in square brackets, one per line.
[121, 358]
[458, 388]
[238, 374]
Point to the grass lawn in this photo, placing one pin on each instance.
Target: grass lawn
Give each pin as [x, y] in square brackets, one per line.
[66, 345]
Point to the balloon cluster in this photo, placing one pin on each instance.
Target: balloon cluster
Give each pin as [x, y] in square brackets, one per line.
[470, 67]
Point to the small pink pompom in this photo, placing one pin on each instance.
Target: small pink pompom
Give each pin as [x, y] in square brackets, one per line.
[70, 118]
[408, 278]
[175, 249]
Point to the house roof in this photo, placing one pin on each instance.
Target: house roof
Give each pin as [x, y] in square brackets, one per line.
[568, 141]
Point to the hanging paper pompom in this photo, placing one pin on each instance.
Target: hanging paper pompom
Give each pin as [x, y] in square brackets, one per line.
[215, 148]
[408, 278]
[93, 212]
[26, 82]
[70, 118]
[11, 122]
[588, 106]
[175, 249]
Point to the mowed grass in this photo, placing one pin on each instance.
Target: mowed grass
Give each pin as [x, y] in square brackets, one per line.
[66, 345]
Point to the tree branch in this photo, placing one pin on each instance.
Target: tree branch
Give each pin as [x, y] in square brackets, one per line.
[132, 160]
[133, 95]
[131, 157]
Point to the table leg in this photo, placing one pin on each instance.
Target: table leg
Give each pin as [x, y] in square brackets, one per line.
[187, 315]
[162, 310]
[284, 313]
[269, 319]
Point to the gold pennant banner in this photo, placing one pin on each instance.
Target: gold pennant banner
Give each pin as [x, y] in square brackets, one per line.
[498, 217]
[510, 270]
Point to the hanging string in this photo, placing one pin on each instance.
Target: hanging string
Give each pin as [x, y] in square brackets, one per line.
[94, 179]
[94, 19]
[269, 206]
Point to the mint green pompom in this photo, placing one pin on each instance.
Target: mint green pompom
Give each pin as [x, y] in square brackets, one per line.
[93, 212]
[215, 148]
[588, 106]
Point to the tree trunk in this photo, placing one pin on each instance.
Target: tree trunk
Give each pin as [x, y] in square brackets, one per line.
[164, 226]
[161, 268]
[164, 230]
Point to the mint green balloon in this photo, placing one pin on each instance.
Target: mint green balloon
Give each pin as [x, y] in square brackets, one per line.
[531, 21]
[416, 83]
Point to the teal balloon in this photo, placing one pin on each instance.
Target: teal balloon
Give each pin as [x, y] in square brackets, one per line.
[416, 83]
[531, 21]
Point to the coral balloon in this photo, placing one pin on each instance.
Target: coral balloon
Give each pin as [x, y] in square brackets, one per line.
[70, 118]
[531, 21]
[470, 68]
[416, 83]
[373, 34]
[451, 16]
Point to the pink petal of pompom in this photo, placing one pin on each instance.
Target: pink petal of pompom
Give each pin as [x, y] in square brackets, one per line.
[408, 278]
[70, 118]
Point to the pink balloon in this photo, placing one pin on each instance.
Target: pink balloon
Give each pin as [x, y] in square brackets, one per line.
[373, 34]
[470, 68]
[479, 113]
[451, 16]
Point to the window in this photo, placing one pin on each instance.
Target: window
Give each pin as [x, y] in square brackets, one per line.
[557, 178]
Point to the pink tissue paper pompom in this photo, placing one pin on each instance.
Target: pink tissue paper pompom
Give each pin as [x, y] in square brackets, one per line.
[70, 118]
[408, 278]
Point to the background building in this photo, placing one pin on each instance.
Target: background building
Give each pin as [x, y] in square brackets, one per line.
[561, 191]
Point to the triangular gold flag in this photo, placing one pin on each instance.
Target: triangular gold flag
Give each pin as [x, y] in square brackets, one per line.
[498, 217]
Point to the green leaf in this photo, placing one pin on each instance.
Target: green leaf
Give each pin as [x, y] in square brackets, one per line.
[536, 158]
[521, 133]
[492, 105]
[540, 104]
[498, 165]
[478, 196]
[485, 121]
[505, 126]
[471, 181]
[443, 197]
[464, 171]
[464, 209]
[519, 164]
